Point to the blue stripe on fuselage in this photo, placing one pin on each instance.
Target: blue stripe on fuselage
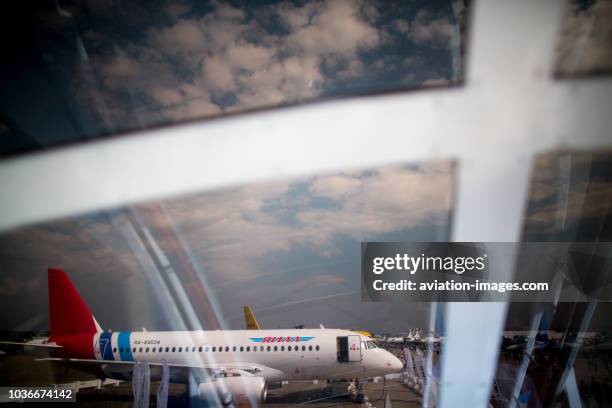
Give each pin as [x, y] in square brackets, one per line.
[106, 346]
[125, 350]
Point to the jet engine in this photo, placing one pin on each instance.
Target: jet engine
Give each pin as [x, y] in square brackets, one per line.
[237, 389]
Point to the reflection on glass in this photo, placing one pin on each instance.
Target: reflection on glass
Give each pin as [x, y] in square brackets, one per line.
[569, 199]
[553, 352]
[78, 70]
[290, 249]
[585, 46]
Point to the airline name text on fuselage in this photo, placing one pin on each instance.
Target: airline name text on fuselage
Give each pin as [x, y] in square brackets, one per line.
[280, 339]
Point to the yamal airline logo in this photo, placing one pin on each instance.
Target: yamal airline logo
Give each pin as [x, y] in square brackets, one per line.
[282, 339]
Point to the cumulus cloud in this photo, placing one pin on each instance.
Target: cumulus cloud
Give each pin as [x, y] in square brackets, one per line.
[225, 54]
[11, 286]
[122, 67]
[337, 28]
[234, 231]
[292, 233]
[401, 25]
[193, 64]
[427, 29]
[177, 9]
[436, 82]
[335, 186]
[183, 36]
[93, 252]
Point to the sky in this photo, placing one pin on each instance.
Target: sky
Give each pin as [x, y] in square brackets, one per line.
[290, 249]
[77, 70]
[91, 68]
[74, 70]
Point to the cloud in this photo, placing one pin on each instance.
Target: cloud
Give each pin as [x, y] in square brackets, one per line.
[183, 36]
[425, 29]
[225, 60]
[11, 286]
[295, 17]
[122, 67]
[401, 25]
[249, 56]
[380, 205]
[410, 62]
[191, 108]
[218, 74]
[134, 61]
[166, 96]
[436, 82]
[233, 232]
[93, 252]
[177, 9]
[335, 186]
[290, 237]
[337, 28]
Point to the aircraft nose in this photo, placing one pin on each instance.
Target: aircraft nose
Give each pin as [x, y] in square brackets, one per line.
[393, 363]
[397, 365]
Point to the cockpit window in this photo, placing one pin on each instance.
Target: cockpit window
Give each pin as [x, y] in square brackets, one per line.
[371, 345]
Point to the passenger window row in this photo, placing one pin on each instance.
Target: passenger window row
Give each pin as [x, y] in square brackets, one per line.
[219, 349]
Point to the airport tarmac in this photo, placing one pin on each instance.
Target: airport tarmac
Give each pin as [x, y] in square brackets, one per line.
[22, 369]
[313, 395]
[293, 395]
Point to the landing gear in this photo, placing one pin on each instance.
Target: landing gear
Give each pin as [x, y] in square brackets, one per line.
[355, 390]
[328, 390]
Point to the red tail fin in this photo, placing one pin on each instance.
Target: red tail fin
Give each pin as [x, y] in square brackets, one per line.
[68, 313]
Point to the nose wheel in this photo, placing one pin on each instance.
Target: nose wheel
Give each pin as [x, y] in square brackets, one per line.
[355, 390]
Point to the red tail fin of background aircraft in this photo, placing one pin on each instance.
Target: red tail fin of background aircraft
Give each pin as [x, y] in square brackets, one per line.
[68, 313]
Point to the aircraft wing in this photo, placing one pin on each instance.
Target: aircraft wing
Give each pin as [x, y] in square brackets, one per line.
[38, 345]
[245, 367]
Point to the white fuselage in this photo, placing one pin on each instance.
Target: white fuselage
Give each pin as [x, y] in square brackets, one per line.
[275, 355]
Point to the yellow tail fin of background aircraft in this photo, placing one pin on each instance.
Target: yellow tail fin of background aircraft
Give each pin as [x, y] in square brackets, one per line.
[250, 321]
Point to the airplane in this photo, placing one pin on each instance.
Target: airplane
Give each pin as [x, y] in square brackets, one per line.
[251, 323]
[394, 340]
[417, 336]
[414, 336]
[238, 362]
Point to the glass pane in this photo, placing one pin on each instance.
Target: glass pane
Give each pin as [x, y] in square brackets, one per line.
[289, 249]
[570, 198]
[77, 70]
[549, 347]
[585, 46]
